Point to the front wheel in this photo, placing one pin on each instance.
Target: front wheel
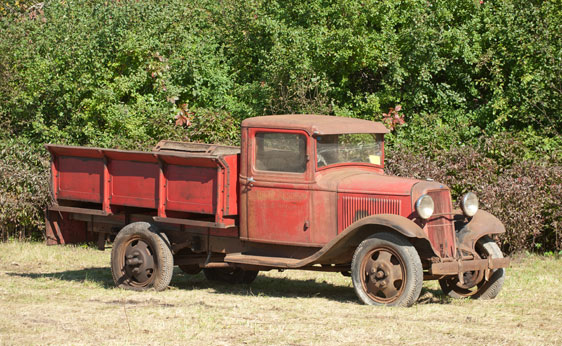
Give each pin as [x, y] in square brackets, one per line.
[474, 283]
[141, 258]
[386, 270]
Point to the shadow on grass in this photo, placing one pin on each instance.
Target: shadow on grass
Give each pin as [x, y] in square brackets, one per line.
[269, 287]
[433, 296]
[99, 275]
[263, 286]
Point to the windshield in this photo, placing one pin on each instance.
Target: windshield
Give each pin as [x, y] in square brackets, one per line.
[353, 147]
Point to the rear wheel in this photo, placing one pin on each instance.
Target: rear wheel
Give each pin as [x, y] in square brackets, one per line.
[386, 270]
[231, 276]
[141, 258]
[474, 283]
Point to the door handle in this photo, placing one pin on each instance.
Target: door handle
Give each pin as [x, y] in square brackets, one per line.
[251, 181]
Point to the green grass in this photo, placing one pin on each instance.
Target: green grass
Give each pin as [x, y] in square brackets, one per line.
[65, 295]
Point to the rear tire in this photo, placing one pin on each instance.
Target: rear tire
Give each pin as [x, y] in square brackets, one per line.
[483, 289]
[230, 276]
[387, 270]
[141, 258]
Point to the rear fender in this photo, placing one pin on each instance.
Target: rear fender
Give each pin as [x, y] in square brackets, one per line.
[481, 224]
[341, 248]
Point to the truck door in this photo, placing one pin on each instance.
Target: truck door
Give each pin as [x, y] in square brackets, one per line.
[277, 187]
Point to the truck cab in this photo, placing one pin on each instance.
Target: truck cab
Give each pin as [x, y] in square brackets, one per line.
[302, 192]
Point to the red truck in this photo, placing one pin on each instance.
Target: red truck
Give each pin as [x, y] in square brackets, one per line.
[302, 192]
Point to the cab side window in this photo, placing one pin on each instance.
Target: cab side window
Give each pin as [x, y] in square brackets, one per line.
[280, 152]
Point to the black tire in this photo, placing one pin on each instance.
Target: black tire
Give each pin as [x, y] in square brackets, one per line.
[230, 276]
[482, 289]
[141, 258]
[387, 270]
[191, 269]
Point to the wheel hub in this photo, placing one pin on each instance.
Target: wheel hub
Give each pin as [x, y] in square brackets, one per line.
[139, 262]
[384, 275]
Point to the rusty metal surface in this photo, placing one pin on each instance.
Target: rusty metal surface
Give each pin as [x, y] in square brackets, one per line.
[197, 223]
[196, 148]
[383, 275]
[76, 210]
[481, 224]
[367, 181]
[440, 227]
[61, 229]
[316, 124]
[455, 267]
[336, 251]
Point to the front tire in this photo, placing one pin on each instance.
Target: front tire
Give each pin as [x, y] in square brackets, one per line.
[141, 258]
[386, 270]
[480, 289]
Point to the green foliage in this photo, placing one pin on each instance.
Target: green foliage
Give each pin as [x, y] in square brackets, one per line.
[99, 72]
[116, 73]
[24, 188]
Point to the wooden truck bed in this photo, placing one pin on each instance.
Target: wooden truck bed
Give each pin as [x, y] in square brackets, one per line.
[183, 183]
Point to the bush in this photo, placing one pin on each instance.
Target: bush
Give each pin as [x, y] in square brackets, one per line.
[523, 194]
[24, 189]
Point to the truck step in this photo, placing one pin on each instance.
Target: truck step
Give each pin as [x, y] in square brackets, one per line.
[277, 262]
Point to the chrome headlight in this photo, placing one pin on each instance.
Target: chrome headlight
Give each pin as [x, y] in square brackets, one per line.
[425, 206]
[469, 204]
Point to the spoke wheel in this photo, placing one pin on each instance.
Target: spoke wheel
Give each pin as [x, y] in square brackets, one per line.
[474, 284]
[141, 258]
[386, 270]
[383, 275]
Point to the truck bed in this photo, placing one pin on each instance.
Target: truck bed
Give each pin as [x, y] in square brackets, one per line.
[175, 181]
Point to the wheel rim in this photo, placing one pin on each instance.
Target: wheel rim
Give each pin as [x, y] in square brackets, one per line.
[138, 262]
[383, 275]
[473, 280]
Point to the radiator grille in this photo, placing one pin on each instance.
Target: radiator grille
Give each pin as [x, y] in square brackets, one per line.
[440, 229]
[354, 208]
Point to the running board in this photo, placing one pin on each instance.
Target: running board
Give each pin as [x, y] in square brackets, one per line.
[265, 261]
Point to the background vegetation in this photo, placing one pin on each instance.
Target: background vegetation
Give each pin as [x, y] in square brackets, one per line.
[479, 84]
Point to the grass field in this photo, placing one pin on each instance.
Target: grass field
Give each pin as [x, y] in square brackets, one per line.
[65, 295]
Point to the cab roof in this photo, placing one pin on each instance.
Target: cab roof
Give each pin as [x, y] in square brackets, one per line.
[316, 124]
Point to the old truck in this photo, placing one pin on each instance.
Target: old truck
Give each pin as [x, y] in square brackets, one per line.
[301, 192]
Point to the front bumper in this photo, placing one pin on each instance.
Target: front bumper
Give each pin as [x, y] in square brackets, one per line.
[460, 266]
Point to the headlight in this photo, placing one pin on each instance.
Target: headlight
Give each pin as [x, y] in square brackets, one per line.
[424, 206]
[469, 204]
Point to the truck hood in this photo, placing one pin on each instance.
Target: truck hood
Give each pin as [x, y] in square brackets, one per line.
[360, 181]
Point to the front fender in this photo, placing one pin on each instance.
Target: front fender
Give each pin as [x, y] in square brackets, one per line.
[341, 248]
[481, 224]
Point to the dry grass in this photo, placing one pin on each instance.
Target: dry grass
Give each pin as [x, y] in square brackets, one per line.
[65, 295]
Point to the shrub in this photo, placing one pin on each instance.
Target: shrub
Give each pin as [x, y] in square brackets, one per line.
[24, 189]
[523, 194]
